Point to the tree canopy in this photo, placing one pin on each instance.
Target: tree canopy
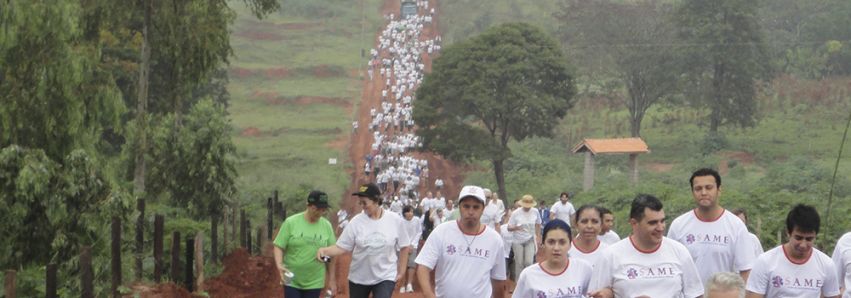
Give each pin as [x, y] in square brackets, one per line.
[509, 83]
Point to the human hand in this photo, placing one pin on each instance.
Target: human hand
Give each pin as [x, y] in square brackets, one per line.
[602, 293]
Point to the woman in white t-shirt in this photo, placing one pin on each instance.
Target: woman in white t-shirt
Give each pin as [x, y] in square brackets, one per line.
[558, 276]
[586, 246]
[379, 244]
[525, 223]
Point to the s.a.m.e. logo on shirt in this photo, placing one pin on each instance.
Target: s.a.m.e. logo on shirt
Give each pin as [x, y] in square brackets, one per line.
[468, 251]
[801, 283]
[650, 272]
[562, 292]
[709, 239]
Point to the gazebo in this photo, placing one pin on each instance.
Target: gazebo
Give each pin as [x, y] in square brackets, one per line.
[592, 147]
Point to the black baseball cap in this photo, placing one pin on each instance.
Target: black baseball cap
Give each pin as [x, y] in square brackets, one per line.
[369, 190]
[318, 199]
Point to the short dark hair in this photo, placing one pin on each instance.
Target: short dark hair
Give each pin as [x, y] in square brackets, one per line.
[803, 217]
[641, 202]
[407, 209]
[564, 194]
[557, 224]
[705, 172]
[588, 207]
[604, 211]
[738, 211]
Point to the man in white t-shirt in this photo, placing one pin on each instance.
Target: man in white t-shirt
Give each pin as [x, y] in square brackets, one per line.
[494, 210]
[606, 235]
[795, 269]
[756, 245]
[717, 240]
[646, 263]
[563, 209]
[467, 256]
[842, 261]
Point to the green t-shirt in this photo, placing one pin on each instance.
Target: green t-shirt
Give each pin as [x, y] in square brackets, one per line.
[300, 240]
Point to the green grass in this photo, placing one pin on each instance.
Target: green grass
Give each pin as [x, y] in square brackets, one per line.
[293, 146]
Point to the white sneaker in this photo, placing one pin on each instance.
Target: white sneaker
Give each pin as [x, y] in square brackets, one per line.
[409, 288]
[402, 290]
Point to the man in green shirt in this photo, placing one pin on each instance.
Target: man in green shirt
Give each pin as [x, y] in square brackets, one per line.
[300, 236]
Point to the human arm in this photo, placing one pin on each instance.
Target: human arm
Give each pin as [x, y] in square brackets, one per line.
[331, 276]
[279, 262]
[424, 278]
[329, 251]
[498, 288]
[753, 295]
[402, 265]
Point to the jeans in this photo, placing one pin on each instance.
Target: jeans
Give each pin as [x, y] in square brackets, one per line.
[383, 289]
[291, 292]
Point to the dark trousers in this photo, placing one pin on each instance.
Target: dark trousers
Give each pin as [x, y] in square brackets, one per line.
[383, 289]
[291, 292]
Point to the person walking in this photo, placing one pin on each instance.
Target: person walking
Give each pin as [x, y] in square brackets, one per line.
[525, 223]
[299, 238]
[586, 246]
[560, 275]
[379, 245]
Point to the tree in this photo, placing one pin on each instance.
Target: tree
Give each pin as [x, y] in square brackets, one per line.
[635, 40]
[509, 83]
[724, 59]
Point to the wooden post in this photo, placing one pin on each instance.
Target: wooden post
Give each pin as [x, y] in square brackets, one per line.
[116, 255]
[214, 239]
[199, 262]
[50, 279]
[140, 238]
[189, 282]
[242, 228]
[588, 182]
[159, 220]
[633, 168]
[175, 256]
[9, 285]
[87, 288]
[275, 202]
[233, 226]
[247, 228]
[269, 218]
[224, 233]
[260, 240]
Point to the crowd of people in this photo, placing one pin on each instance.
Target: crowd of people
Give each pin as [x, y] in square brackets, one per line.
[707, 251]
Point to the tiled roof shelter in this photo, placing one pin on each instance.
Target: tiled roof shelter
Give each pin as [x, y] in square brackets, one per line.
[591, 147]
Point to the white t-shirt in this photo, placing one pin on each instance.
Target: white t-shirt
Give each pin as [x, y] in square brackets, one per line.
[414, 229]
[563, 211]
[587, 256]
[609, 237]
[374, 244]
[535, 282]
[774, 275]
[666, 272]
[464, 264]
[507, 239]
[426, 204]
[757, 245]
[527, 220]
[842, 262]
[720, 245]
[493, 213]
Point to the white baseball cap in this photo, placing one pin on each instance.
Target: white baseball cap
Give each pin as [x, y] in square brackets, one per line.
[472, 191]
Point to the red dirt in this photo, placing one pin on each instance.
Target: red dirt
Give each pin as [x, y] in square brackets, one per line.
[742, 157]
[246, 276]
[256, 35]
[163, 290]
[659, 167]
[323, 71]
[250, 132]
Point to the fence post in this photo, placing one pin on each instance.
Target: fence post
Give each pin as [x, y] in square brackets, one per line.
[260, 240]
[10, 283]
[50, 279]
[269, 218]
[190, 254]
[275, 210]
[116, 255]
[225, 239]
[242, 229]
[87, 288]
[233, 226]
[214, 240]
[140, 237]
[199, 262]
[175, 256]
[248, 235]
[158, 247]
